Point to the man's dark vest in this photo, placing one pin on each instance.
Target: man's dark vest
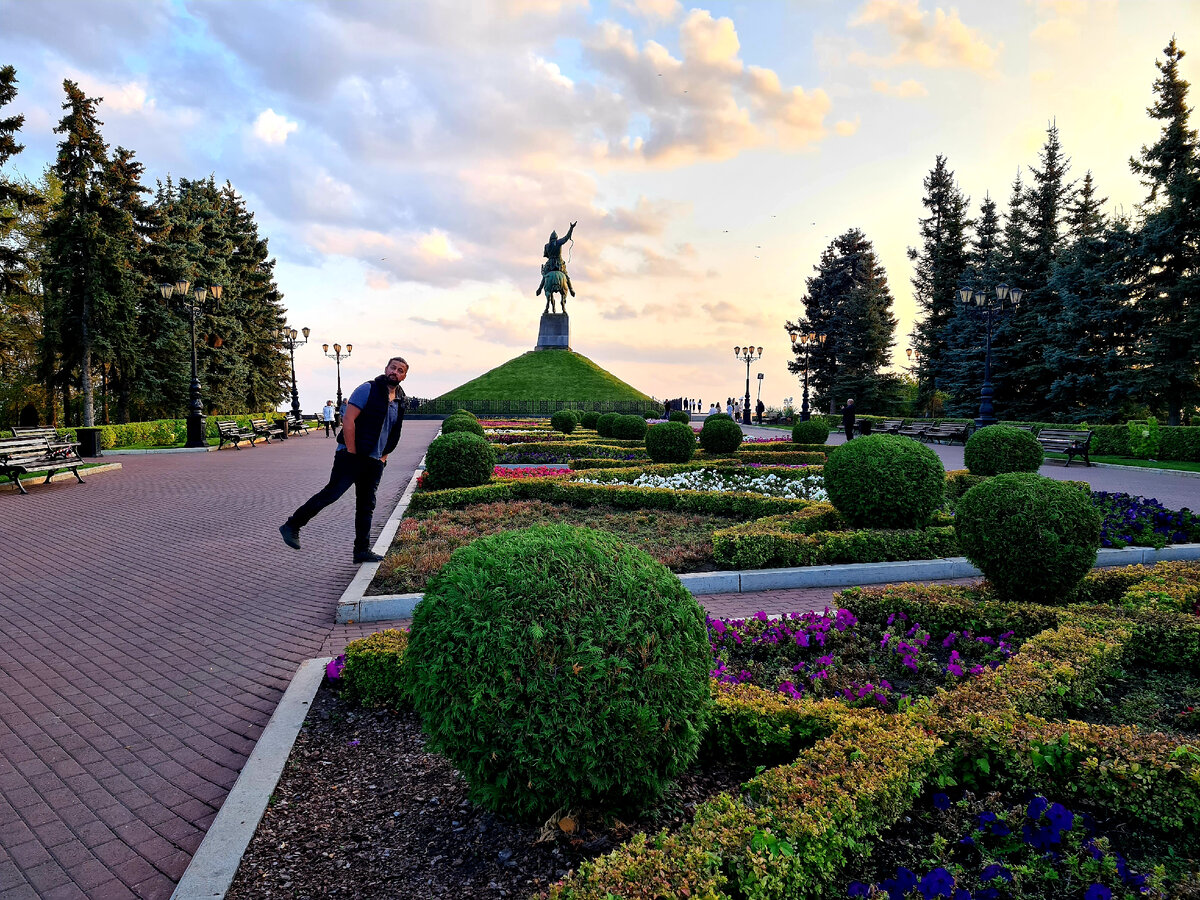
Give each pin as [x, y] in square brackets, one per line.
[370, 419]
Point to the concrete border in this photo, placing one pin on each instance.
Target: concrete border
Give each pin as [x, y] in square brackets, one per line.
[211, 871]
[98, 469]
[117, 451]
[382, 607]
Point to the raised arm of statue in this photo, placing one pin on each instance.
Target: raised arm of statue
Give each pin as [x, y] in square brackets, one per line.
[562, 240]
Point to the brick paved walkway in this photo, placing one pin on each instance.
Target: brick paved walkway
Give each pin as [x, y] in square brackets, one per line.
[151, 620]
[143, 655]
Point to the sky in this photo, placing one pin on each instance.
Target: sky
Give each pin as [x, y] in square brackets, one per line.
[408, 160]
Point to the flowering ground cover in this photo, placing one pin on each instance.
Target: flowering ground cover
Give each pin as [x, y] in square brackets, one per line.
[1152, 698]
[833, 655]
[529, 472]
[800, 484]
[423, 543]
[964, 846]
[1143, 521]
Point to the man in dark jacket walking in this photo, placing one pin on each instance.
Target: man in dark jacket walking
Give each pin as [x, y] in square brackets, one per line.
[848, 418]
[370, 431]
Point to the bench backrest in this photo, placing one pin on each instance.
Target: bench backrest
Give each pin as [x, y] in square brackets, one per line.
[15, 449]
[228, 427]
[1055, 434]
[49, 432]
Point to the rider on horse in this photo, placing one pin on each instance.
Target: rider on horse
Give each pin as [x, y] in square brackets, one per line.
[554, 261]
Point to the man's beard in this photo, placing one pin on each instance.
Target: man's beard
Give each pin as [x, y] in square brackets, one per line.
[392, 379]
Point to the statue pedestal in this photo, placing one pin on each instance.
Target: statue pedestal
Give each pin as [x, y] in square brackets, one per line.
[554, 332]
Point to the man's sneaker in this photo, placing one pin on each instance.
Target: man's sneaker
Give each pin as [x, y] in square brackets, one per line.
[367, 556]
[291, 535]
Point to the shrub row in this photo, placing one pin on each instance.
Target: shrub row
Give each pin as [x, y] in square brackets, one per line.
[159, 432]
[768, 543]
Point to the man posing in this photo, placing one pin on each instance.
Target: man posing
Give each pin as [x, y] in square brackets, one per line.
[370, 431]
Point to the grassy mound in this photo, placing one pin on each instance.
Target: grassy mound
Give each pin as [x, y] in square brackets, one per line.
[546, 375]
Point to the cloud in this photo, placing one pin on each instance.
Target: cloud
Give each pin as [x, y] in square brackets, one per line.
[944, 42]
[651, 10]
[436, 246]
[847, 127]
[1064, 21]
[905, 89]
[272, 128]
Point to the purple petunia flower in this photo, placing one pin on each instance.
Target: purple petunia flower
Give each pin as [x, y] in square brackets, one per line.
[857, 889]
[1037, 806]
[1060, 817]
[941, 801]
[995, 870]
[937, 883]
[1098, 892]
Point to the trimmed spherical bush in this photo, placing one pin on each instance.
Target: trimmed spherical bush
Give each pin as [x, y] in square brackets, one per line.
[678, 415]
[630, 428]
[462, 423]
[564, 421]
[885, 481]
[998, 449]
[720, 434]
[588, 687]
[465, 412]
[1034, 538]
[671, 442]
[709, 418]
[604, 425]
[814, 431]
[460, 459]
[589, 419]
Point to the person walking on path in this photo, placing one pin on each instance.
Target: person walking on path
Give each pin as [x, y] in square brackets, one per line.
[327, 413]
[370, 431]
[760, 409]
[848, 418]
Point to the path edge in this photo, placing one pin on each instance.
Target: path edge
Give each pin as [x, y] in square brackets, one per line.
[216, 861]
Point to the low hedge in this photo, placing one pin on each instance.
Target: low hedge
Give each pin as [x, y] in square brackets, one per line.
[372, 674]
[768, 543]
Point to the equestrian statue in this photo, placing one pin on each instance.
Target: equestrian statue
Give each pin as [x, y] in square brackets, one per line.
[555, 279]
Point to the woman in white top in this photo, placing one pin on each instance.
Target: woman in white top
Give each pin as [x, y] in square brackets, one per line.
[327, 412]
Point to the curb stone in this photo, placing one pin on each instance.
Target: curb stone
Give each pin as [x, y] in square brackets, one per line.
[211, 871]
[380, 608]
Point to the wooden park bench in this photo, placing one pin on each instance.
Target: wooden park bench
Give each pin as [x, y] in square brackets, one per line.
[915, 429]
[23, 455]
[1072, 443]
[890, 426]
[948, 432]
[233, 433]
[295, 424]
[267, 430]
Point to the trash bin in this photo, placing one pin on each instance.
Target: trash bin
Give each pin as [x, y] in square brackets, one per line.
[89, 441]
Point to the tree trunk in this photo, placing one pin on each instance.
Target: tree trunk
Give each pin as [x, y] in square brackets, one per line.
[66, 392]
[85, 367]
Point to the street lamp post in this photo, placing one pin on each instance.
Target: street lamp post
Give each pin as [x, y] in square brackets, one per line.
[194, 304]
[989, 305]
[807, 342]
[337, 355]
[747, 355]
[912, 354]
[291, 340]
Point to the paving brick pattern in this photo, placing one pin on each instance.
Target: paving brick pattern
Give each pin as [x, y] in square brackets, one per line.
[151, 620]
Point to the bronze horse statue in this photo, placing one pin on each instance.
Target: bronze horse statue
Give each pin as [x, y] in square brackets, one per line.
[554, 282]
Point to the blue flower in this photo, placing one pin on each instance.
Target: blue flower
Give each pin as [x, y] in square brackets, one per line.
[941, 801]
[1098, 892]
[962, 894]
[1060, 817]
[995, 870]
[1037, 806]
[938, 883]
[857, 889]
[990, 893]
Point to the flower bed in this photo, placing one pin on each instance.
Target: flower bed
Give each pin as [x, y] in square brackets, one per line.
[795, 485]
[1143, 521]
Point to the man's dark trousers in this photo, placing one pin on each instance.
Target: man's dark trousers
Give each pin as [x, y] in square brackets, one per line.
[363, 472]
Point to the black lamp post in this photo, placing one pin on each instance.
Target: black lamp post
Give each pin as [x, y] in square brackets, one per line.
[193, 303]
[988, 305]
[747, 355]
[291, 340]
[807, 342]
[337, 355]
[912, 354]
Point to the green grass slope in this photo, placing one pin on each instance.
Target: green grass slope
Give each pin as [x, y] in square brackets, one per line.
[546, 375]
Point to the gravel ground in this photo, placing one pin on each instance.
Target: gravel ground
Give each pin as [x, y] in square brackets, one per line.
[363, 810]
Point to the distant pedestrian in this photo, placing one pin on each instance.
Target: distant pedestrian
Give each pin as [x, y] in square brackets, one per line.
[760, 409]
[327, 414]
[371, 428]
[848, 418]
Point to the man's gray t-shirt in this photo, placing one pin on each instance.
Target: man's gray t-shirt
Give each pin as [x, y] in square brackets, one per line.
[359, 399]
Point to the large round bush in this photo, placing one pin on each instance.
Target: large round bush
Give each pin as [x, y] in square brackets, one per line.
[814, 431]
[678, 415]
[460, 459]
[564, 420]
[1033, 537]
[630, 428]
[587, 687]
[589, 419]
[604, 425]
[885, 481]
[671, 442]
[998, 449]
[465, 412]
[455, 423]
[720, 434]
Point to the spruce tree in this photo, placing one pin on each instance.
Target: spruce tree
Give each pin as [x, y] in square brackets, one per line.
[849, 301]
[1169, 248]
[961, 375]
[939, 267]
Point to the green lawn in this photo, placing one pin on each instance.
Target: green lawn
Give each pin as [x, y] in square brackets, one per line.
[1139, 463]
[546, 375]
[33, 476]
[212, 442]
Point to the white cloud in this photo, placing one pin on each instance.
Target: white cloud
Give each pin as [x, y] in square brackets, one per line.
[272, 128]
[907, 88]
[944, 42]
[436, 246]
[847, 127]
[651, 10]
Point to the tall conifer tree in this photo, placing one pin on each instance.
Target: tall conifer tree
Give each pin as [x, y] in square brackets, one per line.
[1169, 249]
[961, 376]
